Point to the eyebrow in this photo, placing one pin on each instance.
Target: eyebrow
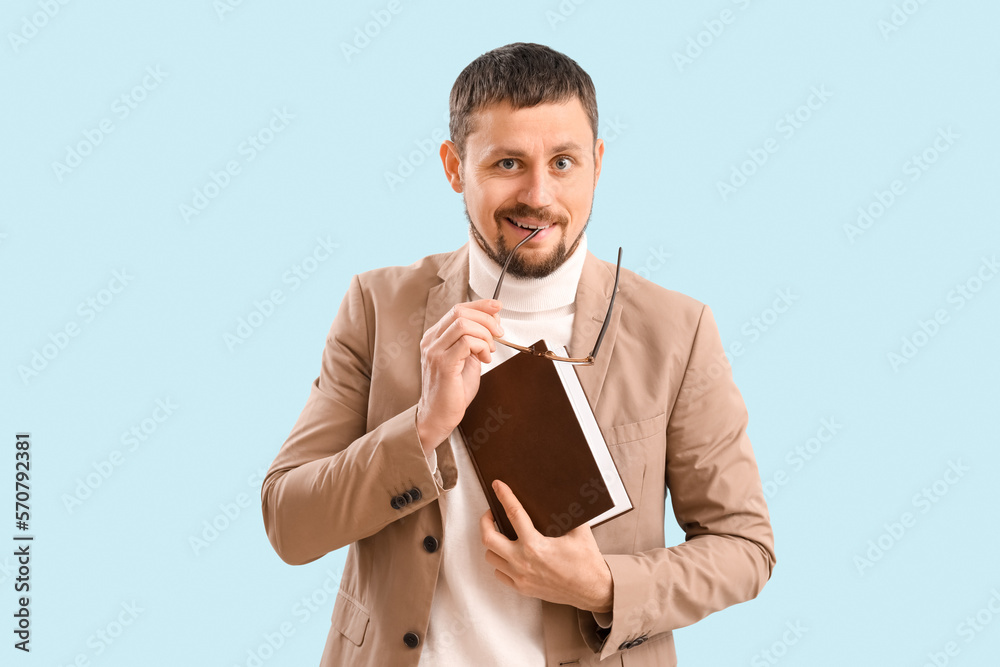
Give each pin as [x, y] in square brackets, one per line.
[514, 152]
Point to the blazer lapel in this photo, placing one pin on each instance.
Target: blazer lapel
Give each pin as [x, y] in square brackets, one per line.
[592, 297]
[454, 287]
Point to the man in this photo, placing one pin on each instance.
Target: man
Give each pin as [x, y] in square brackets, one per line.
[375, 461]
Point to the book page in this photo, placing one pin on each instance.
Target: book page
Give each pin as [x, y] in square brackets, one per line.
[598, 446]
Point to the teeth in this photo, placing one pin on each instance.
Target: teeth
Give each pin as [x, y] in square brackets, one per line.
[527, 226]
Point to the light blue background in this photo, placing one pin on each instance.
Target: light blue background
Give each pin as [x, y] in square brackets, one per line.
[673, 133]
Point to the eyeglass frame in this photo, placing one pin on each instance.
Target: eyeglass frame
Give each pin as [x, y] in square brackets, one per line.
[548, 354]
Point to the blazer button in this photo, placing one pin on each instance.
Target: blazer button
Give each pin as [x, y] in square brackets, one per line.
[397, 502]
[415, 492]
[411, 639]
[636, 642]
[430, 544]
[407, 497]
[624, 645]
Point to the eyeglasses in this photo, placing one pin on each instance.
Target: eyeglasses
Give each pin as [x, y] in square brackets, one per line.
[548, 354]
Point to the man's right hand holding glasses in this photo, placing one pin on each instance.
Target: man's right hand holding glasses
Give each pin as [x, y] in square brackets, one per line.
[451, 354]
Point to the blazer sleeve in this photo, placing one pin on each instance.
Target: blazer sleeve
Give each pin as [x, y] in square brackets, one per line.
[715, 488]
[333, 481]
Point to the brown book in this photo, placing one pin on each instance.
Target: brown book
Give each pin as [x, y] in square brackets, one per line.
[531, 427]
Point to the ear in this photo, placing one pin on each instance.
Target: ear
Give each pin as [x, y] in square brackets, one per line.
[452, 165]
[598, 157]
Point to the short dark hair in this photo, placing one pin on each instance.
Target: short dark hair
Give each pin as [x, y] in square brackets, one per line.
[523, 75]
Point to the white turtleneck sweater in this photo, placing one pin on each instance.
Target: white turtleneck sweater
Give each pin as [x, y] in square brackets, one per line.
[475, 619]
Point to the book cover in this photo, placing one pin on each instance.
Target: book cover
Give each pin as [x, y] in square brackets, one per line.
[524, 429]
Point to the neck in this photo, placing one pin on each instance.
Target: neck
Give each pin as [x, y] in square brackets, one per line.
[556, 290]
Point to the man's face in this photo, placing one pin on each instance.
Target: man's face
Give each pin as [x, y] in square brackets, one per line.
[536, 166]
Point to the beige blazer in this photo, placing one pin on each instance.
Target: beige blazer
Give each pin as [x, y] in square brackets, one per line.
[352, 471]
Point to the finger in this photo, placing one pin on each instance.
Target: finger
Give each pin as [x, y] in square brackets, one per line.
[478, 311]
[493, 308]
[484, 311]
[470, 346]
[518, 518]
[453, 348]
[488, 531]
[500, 567]
[464, 339]
[490, 306]
[466, 327]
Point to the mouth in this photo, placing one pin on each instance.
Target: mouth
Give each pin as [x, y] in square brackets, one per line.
[526, 225]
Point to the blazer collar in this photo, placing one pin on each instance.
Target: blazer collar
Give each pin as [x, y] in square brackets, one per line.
[592, 296]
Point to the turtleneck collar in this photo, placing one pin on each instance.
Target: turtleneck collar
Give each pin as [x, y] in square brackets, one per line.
[556, 290]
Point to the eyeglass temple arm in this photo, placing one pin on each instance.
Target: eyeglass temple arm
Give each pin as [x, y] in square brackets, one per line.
[510, 256]
[607, 318]
[614, 291]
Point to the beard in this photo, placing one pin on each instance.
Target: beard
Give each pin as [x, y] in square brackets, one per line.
[519, 266]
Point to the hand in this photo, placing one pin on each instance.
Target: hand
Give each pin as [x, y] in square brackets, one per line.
[451, 354]
[566, 570]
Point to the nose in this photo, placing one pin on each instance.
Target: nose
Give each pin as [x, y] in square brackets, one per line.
[537, 189]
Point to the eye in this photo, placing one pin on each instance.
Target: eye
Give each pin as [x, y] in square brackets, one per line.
[563, 163]
[507, 163]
